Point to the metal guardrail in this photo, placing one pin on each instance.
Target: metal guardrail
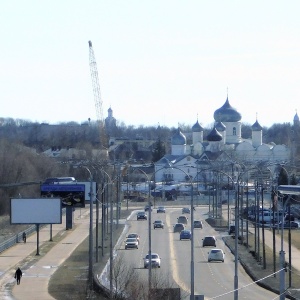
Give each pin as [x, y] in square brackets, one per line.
[16, 238]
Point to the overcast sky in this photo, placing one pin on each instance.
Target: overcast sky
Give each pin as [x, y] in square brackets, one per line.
[159, 62]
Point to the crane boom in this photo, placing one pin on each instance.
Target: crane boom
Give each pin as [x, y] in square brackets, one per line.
[97, 94]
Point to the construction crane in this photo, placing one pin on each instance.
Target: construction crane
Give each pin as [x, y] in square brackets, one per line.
[97, 96]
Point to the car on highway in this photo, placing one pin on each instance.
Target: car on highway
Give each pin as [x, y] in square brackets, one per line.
[185, 235]
[186, 210]
[155, 261]
[231, 229]
[131, 243]
[216, 255]
[178, 227]
[198, 224]
[161, 209]
[182, 219]
[134, 235]
[141, 215]
[158, 224]
[209, 241]
[148, 207]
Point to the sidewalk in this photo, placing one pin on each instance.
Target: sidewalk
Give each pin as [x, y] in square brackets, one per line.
[38, 269]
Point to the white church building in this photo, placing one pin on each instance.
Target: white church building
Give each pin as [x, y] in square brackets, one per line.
[224, 148]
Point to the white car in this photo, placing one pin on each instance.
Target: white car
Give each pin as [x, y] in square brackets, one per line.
[216, 255]
[155, 261]
[131, 243]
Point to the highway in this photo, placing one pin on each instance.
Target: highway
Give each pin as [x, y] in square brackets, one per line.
[214, 280]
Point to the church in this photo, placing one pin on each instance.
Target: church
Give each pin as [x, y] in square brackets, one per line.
[224, 149]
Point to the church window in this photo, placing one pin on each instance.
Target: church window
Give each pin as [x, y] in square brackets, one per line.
[233, 131]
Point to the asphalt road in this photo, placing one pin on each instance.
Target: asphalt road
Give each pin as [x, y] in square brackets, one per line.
[213, 280]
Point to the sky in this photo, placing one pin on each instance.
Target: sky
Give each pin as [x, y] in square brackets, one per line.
[159, 62]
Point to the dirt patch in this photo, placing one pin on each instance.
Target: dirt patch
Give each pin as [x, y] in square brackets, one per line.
[70, 281]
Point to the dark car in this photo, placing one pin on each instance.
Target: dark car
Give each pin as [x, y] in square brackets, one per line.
[198, 224]
[186, 210]
[209, 241]
[231, 229]
[158, 224]
[161, 209]
[141, 215]
[289, 224]
[182, 219]
[185, 235]
[178, 227]
[147, 208]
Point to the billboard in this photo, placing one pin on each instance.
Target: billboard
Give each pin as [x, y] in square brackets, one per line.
[70, 194]
[35, 211]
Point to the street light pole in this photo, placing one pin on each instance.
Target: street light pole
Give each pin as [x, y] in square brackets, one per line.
[91, 231]
[192, 244]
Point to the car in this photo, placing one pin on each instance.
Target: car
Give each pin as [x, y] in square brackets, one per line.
[141, 215]
[198, 224]
[59, 180]
[147, 208]
[178, 227]
[288, 224]
[134, 235]
[155, 261]
[216, 255]
[131, 243]
[158, 224]
[185, 235]
[161, 209]
[182, 219]
[186, 210]
[209, 241]
[231, 229]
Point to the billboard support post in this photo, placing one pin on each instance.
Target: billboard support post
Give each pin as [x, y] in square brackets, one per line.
[37, 239]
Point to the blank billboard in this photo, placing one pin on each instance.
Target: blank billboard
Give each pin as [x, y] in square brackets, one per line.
[35, 211]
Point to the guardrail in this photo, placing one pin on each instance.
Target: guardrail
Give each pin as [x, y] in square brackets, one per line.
[16, 238]
[19, 236]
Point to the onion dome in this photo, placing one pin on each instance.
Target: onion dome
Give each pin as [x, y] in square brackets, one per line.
[256, 126]
[227, 113]
[197, 127]
[220, 126]
[214, 136]
[178, 138]
[296, 118]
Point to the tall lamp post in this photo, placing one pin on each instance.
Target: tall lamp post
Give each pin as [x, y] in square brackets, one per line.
[288, 190]
[91, 231]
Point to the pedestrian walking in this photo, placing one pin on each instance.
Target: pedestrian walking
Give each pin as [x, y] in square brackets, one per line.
[18, 275]
[24, 237]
